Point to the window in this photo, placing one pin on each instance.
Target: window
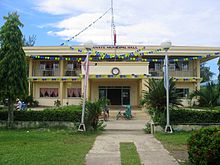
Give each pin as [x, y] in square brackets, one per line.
[185, 65]
[182, 92]
[48, 92]
[49, 65]
[172, 66]
[73, 92]
[157, 66]
[70, 66]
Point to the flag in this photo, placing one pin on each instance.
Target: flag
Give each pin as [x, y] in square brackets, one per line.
[86, 71]
[115, 38]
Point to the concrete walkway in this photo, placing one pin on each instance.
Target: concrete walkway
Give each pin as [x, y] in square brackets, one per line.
[105, 150]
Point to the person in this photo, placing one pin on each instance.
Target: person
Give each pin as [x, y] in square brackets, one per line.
[106, 112]
[19, 104]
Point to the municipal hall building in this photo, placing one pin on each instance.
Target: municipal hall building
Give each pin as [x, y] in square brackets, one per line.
[119, 74]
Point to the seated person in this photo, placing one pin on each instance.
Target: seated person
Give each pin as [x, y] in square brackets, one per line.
[19, 104]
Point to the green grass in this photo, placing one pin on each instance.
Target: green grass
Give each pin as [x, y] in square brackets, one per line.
[129, 155]
[175, 143]
[44, 147]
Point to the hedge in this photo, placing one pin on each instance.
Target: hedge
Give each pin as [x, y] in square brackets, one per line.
[183, 116]
[68, 113]
[194, 116]
[204, 146]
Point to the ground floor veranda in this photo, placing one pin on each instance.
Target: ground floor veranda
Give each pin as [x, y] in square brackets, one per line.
[118, 91]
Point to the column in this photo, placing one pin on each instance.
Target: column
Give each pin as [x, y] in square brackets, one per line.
[30, 67]
[198, 68]
[61, 68]
[29, 87]
[61, 92]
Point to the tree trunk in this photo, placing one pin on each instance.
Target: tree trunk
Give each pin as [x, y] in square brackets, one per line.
[10, 123]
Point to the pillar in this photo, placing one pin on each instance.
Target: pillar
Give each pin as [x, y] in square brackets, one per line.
[30, 67]
[61, 92]
[61, 68]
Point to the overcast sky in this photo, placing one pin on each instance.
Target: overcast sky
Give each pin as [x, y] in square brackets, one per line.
[184, 22]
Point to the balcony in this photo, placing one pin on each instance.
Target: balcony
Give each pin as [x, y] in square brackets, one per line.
[73, 72]
[172, 73]
[46, 72]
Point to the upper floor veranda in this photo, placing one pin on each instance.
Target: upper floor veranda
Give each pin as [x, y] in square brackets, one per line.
[63, 61]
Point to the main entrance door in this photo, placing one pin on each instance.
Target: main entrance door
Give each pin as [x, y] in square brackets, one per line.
[118, 95]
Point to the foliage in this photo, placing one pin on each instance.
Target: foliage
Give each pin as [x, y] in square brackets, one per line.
[219, 71]
[205, 73]
[208, 95]
[44, 146]
[147, 128]
[66, 113]
[30, 101]
[93, 111]
[183, 116]
[156, 96]
[129, 155]
[30, 41]
[158, 116]
[13, 68]
[203, 146]
[57, 103]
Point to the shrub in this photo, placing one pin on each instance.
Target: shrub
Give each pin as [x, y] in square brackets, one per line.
[207, 96]
[204, 147]
[155, 96]
[93, 111]
[182, 116]
[30, 101]
[67, 113]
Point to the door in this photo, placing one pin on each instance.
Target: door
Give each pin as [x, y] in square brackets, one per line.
[114, 95]
[125, 96]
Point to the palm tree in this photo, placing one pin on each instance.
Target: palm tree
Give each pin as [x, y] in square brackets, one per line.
[208, 95]
[155, 96]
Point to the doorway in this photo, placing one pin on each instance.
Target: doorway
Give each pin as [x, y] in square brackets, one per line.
[118, 95]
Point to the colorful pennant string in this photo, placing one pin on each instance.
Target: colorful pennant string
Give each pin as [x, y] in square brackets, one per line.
[129, 58]
[108, 76]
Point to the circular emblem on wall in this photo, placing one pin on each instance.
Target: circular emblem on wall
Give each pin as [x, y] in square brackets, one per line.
[115, 71]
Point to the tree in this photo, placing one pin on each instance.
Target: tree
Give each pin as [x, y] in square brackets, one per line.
[13, 67]
[205, 73]
[208, 95]
[30, 41]
[219, 70]
[155, 96]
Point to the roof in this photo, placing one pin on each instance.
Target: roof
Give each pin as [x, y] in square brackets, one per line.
[174, 51]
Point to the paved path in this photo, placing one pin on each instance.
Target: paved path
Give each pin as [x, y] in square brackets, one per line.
[105, 150]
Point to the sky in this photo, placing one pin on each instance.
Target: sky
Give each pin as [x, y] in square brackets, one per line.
[184, 22]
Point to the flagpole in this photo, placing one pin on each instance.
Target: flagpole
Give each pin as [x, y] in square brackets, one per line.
[88, 47]
[166, 45]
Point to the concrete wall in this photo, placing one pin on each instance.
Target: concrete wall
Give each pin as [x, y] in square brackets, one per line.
[38, 124]
[126, 68]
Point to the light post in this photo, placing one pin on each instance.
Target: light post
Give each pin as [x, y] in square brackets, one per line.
[166, 46]
[88, 46]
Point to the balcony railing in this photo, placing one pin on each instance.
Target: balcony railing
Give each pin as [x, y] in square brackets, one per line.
[74, 72]
[176, 73]
[46, 72]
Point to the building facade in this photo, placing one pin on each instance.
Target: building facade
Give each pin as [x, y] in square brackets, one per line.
[57, 73]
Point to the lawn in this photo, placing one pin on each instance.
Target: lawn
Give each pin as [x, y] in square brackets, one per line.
[129, 155]
[176, 144]
[44, 147]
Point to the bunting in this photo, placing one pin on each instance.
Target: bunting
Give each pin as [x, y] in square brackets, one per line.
[130, 57]
[111, 76]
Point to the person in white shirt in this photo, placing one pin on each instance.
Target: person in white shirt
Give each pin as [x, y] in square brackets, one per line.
[19, 104]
